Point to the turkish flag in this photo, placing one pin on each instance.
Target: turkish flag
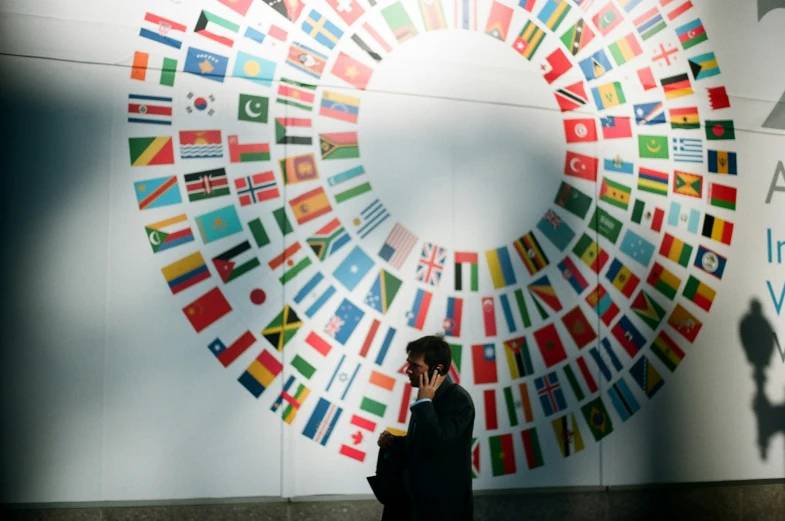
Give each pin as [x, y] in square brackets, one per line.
[583, 130]
[489, 316]
[581, 166]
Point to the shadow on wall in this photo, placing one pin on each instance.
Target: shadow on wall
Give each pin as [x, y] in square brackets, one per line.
[54, 197]
[759, 339]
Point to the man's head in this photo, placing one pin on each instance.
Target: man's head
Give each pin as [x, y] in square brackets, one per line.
[425, 355]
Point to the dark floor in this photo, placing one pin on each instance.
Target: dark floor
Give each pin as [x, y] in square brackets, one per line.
[721, 502]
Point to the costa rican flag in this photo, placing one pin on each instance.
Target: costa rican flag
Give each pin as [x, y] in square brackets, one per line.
[431, 264]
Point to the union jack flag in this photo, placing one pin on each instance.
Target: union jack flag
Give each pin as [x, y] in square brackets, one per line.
[333, 326]
[431, 264]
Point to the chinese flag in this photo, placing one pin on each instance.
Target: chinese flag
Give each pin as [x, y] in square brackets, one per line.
[352, 71]
[207, 309]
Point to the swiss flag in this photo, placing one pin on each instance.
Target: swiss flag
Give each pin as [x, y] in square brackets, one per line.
[350, 11]
[582, 130]
[556, 64]
[239, 6]
[581, 166]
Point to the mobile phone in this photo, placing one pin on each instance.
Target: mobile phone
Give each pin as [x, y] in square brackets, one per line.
[436, 371]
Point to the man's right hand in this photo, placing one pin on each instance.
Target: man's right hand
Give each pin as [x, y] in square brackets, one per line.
[386, 440]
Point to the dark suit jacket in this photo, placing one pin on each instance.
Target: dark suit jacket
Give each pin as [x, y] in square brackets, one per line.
[436, 455]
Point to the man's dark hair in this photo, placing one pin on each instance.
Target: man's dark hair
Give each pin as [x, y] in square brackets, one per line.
[434, 349]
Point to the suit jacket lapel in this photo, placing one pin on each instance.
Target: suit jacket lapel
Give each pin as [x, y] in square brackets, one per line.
[440, 392]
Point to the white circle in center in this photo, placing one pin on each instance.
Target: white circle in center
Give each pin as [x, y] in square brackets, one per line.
[462, 140]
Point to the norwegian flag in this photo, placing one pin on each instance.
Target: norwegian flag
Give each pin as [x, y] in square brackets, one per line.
[431, 264]
[256, 188]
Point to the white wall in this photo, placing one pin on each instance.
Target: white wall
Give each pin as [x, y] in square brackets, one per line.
[109, 394]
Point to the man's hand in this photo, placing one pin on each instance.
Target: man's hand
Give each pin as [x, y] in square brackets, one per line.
[428, 385]
[386, 440]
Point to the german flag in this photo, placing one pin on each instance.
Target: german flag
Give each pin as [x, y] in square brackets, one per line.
[677, 86]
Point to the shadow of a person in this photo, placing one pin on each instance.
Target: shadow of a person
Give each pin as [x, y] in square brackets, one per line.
[758, 339]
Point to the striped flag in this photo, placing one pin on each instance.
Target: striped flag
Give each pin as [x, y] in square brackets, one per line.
[186, 272]
[322, 422]
[357, 424]
[261, 373]
[568, 434]
[228, 354]
[502, 454]
[688, 218]
[160, 29]
[371, 217]
[500, 266]
[397, 246]
[154, 110]
[722, 162]
[293, 394]
[623, 400]
[169, 233]
[530, 252]
[519, 361]
[531, 448]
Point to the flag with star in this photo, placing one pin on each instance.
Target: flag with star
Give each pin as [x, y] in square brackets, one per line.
[646, 376]
[637, 248]
[383, 290]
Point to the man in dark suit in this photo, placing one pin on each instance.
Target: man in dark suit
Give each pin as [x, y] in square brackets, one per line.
[427, 474]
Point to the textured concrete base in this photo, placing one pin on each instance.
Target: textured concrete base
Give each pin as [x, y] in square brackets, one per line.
[721, 502]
